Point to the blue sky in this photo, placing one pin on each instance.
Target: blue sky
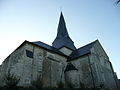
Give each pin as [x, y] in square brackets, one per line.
[37, 20]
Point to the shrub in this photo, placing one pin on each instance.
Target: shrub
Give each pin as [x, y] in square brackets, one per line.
[11, 80]
[82, 85]
[70, 85]
[101, 85]
[37, 84]
[60, 85]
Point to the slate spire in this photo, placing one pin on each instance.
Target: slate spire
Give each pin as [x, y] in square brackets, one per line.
[63, 38]
[62, 30]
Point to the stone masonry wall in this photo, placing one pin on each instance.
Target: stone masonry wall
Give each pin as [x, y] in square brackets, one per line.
[72, 79]
[53, 69]
[66, 51]
[12, 63]
[29, 61]
[84, 71]
[101, 68]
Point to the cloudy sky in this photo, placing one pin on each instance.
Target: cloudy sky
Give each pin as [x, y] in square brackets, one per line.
[37, 20]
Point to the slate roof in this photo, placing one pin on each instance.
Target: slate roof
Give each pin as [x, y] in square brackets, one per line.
[63, 38]
[48, 47]
[70, 67]
[82, 51]
[75, 54]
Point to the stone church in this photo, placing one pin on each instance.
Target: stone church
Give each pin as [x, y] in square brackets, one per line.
[61, 62]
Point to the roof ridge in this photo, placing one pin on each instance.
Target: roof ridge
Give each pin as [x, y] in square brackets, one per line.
[45, 44]
[82, 51]
[41, 42]
[87, 44]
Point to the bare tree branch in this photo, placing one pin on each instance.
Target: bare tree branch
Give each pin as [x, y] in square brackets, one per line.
[118, 1]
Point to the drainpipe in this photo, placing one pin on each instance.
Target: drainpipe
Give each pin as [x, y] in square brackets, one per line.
[91, 71]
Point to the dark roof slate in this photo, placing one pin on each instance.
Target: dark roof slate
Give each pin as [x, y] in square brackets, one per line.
[75, 54]
[48, 47]
[63, 38]
[81, 51]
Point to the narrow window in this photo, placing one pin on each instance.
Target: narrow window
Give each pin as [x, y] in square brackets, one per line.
[29, 54]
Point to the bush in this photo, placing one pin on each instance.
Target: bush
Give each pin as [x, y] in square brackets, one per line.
[11, 80]
[60, 85]
[70, 85]
[37, 84]
[82, 85]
